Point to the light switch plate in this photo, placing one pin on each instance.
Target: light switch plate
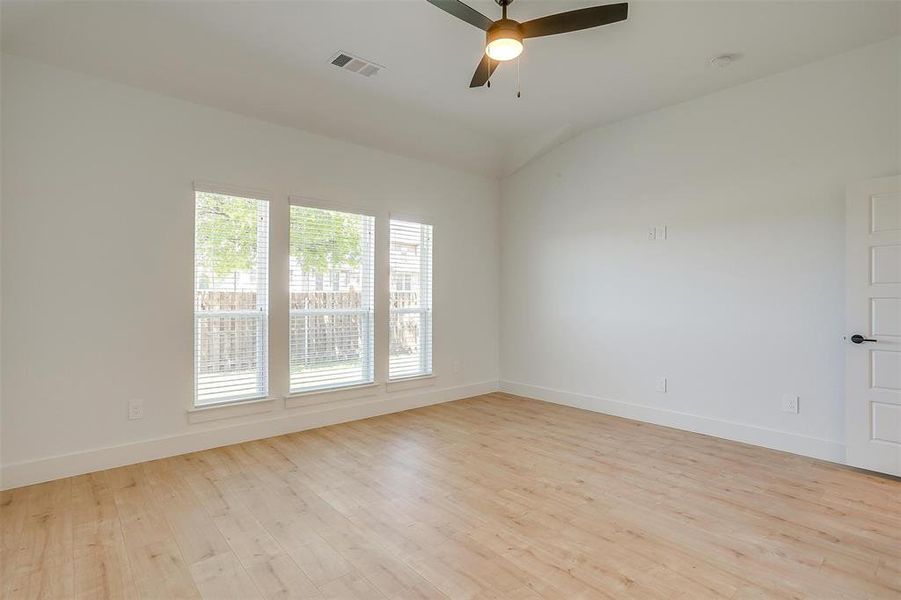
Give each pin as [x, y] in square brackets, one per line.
[661, 385]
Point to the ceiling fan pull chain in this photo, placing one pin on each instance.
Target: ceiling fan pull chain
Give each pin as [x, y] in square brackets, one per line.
[489, 71]
[518, 80]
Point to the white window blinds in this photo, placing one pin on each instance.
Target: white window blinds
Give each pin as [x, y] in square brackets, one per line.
[410, 300]
[331, 304]
[231, 301]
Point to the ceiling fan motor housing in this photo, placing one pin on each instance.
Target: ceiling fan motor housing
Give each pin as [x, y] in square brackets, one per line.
[504, 29]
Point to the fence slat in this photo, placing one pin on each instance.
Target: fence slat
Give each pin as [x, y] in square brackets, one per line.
[228, 343]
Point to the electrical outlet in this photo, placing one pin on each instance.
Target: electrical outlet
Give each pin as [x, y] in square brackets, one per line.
[135, 409]
[456, 366]
[661, 385]
[657, 233]
[791, 404]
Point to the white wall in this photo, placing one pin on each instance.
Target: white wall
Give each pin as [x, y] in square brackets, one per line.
[744, 301]
[97, 265]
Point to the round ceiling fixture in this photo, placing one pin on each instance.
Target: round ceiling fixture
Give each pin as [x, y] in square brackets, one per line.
[504, 40]
[724, 60]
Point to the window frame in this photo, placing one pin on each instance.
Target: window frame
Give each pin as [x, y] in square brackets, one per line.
[396, 382]
[263, 354]
[337, 206]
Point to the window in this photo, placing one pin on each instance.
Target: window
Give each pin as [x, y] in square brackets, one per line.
[410, 300]
[402, 282]
[231, 303]
[331, 337]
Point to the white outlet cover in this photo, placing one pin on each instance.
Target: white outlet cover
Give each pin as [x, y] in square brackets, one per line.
[661, 385]
[791, 404]
[135, 409]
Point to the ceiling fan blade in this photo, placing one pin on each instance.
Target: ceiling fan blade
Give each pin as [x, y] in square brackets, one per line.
[464, 12]
[483, 71]
[575, 20]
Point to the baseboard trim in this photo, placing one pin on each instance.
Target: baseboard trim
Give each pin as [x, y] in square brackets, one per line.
[750, 434]
[286, 421]
[47, 469]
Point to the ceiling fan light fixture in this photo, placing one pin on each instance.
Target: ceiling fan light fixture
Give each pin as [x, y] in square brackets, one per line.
[504, 41]
[504, 49]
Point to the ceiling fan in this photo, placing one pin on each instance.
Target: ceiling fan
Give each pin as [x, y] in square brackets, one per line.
[504, 37]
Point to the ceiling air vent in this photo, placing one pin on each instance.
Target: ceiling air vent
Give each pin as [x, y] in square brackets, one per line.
[349, 62]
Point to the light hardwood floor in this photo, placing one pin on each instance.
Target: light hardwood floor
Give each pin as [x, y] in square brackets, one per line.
[490, 497]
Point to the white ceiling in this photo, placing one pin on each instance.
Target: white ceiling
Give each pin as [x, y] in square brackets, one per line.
[270, 60]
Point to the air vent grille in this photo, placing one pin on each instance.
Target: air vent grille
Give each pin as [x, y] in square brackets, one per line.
[355, 64]
[341, 60]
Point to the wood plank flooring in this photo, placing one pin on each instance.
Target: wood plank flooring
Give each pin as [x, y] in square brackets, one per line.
[490, 497]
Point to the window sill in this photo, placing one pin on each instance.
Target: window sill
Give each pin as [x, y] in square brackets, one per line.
[410, 383]
[214, 412]
[315, 397]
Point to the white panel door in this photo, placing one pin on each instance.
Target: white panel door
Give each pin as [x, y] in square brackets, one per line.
[873, 319]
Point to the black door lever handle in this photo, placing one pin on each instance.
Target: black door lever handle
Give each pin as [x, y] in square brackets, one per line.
[859, 339]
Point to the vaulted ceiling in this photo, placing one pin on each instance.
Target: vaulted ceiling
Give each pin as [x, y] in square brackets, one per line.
[270, 60]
